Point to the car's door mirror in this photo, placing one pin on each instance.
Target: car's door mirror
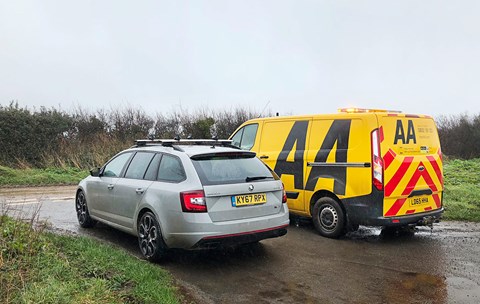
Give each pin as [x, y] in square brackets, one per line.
[95, 172]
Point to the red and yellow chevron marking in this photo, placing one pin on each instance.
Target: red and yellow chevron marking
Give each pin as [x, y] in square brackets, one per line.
[406, 174]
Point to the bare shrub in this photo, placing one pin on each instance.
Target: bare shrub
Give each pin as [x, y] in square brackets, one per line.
[460, 135]
[85, 138]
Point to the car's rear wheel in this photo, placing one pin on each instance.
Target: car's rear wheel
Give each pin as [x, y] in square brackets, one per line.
[83, 215]
[328, 217]
[150, 238]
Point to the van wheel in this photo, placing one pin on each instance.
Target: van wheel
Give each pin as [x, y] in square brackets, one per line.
[150, 238]
[328, 218]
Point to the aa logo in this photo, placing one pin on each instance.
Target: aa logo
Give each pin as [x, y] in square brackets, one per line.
[400, 133]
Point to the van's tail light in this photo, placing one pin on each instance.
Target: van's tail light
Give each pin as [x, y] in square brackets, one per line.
[284, 194]
[193, 201]
[377, 162]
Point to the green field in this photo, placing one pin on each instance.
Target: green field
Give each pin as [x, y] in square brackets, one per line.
[40, 177]
[462, 190]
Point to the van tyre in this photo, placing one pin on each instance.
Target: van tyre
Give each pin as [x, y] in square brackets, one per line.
[150, 238]
[83, 216]
[328, 218]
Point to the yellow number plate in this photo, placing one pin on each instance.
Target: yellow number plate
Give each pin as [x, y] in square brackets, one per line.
[418, 201]
[249, 199]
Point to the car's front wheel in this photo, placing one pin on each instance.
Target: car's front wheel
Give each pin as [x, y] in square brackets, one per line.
[83, 215]
[150, 238]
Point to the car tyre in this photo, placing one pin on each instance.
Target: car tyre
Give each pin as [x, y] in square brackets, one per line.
[328, 218]
[150, 238]
[83, 215]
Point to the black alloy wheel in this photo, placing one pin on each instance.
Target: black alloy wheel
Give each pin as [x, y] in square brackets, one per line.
[83, 215]
[150, 238]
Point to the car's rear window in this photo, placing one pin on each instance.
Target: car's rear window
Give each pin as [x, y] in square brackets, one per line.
[225, 168]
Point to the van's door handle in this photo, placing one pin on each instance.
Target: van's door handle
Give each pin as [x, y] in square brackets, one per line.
[139, 190]
[110, 187]
[264, 157]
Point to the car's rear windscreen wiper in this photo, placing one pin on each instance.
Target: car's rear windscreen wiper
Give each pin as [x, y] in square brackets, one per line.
[252, 178]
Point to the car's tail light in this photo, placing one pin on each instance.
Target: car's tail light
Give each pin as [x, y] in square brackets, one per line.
[377, 162]
[284, 194]
[193, 201]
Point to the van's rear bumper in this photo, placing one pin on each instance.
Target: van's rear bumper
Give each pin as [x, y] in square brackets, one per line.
[368, 210]
[419, 219]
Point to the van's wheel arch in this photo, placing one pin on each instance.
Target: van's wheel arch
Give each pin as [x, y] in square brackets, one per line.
[329, 217]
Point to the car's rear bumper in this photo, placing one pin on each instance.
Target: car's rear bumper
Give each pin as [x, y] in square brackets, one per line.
[193, 231]
[240, 238]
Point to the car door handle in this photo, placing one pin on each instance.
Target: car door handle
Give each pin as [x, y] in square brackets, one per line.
[139, 190]
[264, 157]
[110, 187]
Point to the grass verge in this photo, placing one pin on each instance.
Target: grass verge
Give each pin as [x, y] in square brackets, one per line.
[40, 177]
[41, 267]
[462, 196]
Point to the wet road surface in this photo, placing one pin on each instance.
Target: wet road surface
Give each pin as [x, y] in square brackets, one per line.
[432, 266]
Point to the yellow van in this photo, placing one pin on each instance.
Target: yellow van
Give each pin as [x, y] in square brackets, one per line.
[355, 167]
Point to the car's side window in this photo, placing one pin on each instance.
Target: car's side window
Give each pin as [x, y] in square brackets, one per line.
[171, 169]
[138, 165]
[153, 168]
[245, 137]
[115, 166]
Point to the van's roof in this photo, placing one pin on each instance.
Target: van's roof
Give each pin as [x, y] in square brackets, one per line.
[341, 115]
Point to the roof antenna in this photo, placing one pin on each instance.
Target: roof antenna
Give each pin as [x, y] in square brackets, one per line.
[264, 109]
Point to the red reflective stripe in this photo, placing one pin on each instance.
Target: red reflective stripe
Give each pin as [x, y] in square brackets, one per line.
[390, 114]
[429, 180]
[436, 168]
[416, 176]
[412, 116]
[428, 208]
[413, 181]
[410, 211]
[436, 198]
[395, 207]
[395, 180]
[388, 158]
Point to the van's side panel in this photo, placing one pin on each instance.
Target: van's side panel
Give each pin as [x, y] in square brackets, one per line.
[282, 148]
[412, 164]
[338, 158]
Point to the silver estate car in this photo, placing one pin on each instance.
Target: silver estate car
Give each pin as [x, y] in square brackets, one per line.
[185, 194]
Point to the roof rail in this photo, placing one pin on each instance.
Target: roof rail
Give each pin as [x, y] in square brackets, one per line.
[176, 142]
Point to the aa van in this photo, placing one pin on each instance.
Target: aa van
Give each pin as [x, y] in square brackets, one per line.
[355, 167]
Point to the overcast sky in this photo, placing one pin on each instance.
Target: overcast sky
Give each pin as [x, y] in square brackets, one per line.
[301, 56]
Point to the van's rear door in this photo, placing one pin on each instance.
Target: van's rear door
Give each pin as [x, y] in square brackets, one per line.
[413, 171]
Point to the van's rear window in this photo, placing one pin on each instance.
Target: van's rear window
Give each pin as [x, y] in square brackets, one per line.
[231, 168]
